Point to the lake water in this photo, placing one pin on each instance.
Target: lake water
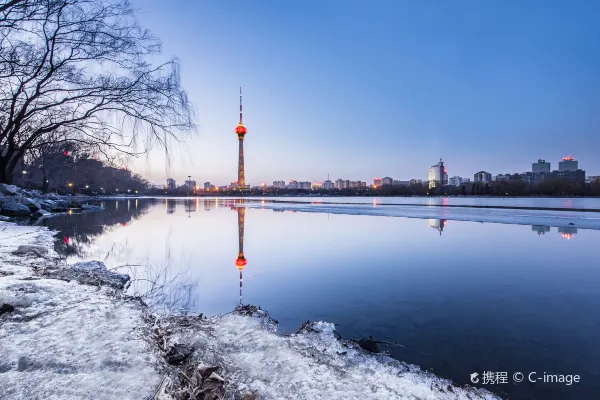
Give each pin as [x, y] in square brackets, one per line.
[460, 296]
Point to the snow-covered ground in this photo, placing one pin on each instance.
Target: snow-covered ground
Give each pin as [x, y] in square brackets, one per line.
[562, 219]
[66, 340]
[312, 364]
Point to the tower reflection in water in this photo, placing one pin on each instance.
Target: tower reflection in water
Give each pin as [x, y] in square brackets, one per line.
[241, 261]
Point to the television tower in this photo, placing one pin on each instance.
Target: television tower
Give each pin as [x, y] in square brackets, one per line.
[240, 130]
[241, 261]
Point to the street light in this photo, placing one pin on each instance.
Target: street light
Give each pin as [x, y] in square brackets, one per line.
[87, 186]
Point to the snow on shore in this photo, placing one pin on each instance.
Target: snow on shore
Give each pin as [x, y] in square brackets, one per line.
[65, 340]
[310, 365]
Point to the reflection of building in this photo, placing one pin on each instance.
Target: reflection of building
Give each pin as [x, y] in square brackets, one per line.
[437, 224]
[438, 175]
[190, 206]
[540, 229]
[207, 205]
[171, 206]
[567, 232]
[240, 130]
[241, 261]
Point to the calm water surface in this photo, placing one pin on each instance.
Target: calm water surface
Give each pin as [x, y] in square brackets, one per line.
[462, 297]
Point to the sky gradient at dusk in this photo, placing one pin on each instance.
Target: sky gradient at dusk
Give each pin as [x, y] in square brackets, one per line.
[384, 88]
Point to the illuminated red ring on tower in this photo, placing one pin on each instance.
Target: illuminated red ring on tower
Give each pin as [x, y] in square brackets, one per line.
[240, 129]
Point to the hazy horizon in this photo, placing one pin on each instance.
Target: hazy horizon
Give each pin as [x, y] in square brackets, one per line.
[361, 90]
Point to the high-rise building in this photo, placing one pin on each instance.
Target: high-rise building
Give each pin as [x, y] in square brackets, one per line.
[328, 185]
[377, 182]
[171, 184]
[279, 184]
[240, 130]
[455, 181]
[438, 175]
[482, 177]
[305, 185]
[387, 181]
[540, 166]
[190, 184]
[568, 164]
[339, 184]
[401, 183]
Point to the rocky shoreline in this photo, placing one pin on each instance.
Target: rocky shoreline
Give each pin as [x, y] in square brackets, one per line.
[21, 203]
[72, 332]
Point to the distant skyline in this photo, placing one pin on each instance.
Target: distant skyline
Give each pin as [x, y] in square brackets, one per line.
[360, 90]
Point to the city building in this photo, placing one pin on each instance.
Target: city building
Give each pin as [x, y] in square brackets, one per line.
[240, 130]
[190, 184]
[482, 177]
[279, 184]
[401, 183]
[207, 186]
[377, 182]
[328, 185]
[305, 185]
[171, 184]
[387, 181]
[438, 175]
[416, 181]
[339, 184]
[455, 181]
[317, 185]
[540, 166]
[293, 185]
[568, 164]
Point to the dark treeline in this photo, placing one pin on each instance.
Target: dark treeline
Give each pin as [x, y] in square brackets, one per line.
[556, 188]
[67, 168]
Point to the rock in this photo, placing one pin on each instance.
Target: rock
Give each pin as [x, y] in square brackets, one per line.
[51, 196]
[40, 213]
[92, 273]
[31, 249]
[6, 200]
[178, 353]
[6, 308]
[89, 207]
[53, 206]
[8, 189]
[15, 210]
[33, 205]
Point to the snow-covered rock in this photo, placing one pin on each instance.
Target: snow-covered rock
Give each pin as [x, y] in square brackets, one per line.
[32, 249]
[41, 213]
[15, 210]
[92, 273]
[8, 189]
[90, 207]
[54, 205]
[33, 205]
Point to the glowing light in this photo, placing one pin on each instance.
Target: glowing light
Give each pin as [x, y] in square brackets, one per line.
[567, 236]
[24, 172]
[69, 184]
[66, 153]
[66, 240]
[87, 186]
[70, 212]
[568, 158]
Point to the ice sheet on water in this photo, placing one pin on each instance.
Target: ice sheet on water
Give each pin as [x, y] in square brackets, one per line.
[313, 365]
[563, 219]
[65, 340]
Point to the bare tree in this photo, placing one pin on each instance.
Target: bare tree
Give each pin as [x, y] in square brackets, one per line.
[78, 69]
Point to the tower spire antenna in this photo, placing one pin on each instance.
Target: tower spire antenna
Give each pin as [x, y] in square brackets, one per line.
[240, 104]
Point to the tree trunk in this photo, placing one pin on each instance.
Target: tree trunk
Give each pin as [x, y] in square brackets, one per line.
[6, 175]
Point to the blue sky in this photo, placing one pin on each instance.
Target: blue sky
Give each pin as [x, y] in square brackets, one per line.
[381, 88]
